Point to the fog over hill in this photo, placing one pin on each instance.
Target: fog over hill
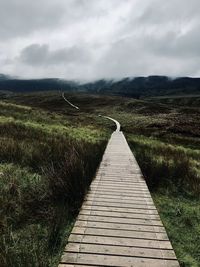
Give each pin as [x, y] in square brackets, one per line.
[134, 87]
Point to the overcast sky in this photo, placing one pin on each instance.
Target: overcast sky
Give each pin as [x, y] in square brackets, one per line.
[92, 39]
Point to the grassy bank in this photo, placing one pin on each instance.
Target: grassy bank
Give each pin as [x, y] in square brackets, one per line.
[164, 136]
[173, 176]
[46, 166]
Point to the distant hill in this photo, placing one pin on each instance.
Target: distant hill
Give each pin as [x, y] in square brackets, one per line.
[146, 86]
[33, 85]
[133, 87]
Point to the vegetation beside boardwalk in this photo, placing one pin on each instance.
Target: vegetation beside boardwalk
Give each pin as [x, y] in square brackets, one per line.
[166, 144]
[46, 167]
[164, 134]
[173, 176]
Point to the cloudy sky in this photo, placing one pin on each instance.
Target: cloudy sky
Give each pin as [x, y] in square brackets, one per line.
[92, 39]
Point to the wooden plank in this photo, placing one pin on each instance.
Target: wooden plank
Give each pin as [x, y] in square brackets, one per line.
[118, 190]
[111, 209]
[116, 261]
[130, 197]
[120, 241]
[120, 220]
[121, 185]
[118, 181]
[122, 200]
[124, 196]
[139, 198]
[136, 193]
[75, 265]
[114, 181]
[118, 233]
[135, 205]
[126, 175]
[110, 225]
[119, 214]
[121, 251]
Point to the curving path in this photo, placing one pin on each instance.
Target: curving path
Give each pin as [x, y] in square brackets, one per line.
[118, 126]
[118, 224]
[66, 100]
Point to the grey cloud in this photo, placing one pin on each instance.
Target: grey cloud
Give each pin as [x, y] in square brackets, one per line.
[166, 12]
[104, 38]
[37, 54]
[148, 55]
[18, 18]
[163, 39]
[177, 46]
[34, 54]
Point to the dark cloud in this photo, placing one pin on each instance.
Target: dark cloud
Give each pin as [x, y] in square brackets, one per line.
[37, 54]
[34, 54]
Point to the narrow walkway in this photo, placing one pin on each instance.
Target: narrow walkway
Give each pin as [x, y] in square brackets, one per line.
[66, 100]
[118, 224]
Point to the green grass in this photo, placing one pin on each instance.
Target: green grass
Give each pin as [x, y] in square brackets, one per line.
[172, 173]
[164, 134]
[181, 217]
[168, 165]
[46, 166]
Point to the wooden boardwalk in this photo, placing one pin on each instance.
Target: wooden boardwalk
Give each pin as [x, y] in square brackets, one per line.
[118, 224]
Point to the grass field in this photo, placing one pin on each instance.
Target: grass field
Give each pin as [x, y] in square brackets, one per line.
[49, 153]
[46, 165]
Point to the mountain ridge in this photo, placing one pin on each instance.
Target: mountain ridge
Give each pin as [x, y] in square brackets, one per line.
[136, 87]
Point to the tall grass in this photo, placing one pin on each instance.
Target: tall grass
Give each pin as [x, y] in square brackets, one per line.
[173, 175]
[168, 165]
[45, 171]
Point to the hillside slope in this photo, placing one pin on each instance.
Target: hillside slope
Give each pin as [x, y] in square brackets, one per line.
[132, 87]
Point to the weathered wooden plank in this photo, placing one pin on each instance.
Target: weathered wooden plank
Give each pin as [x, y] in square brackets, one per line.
[118, 224]
[119, 214]
[121, 187]
[130, 191]
[105, 260]
[134, 205]
[120, 241]
[118, 188]
[120, 220]
[129, 196]
[126, 197]
[122, 200]
[104, 184]
[129, 227]
[111, 209]
[119, 195]
[76, 265]
[118, 181]
[121, 251]
[119, 233]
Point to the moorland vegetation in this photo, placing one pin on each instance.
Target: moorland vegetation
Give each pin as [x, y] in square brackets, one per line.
[49, 154]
